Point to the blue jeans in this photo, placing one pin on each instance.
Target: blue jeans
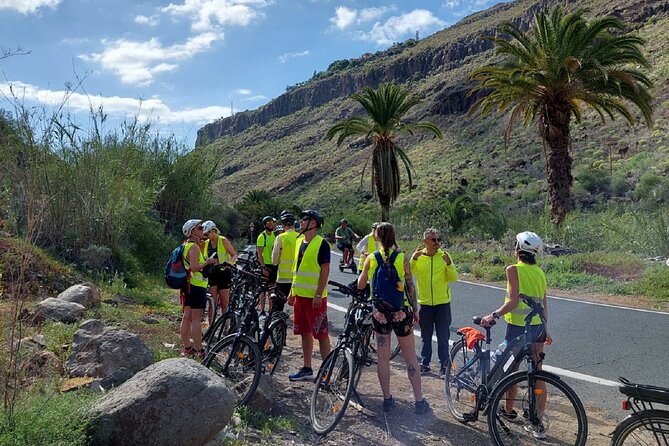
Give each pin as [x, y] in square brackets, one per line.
[435, 317]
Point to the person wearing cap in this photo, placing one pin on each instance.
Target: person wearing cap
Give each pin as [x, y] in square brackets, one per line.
[311, 270]
[195, 291]
[367, 245]
[264, 245]
[283, 255]
[219, 247]
[344, 238]
[433, 269]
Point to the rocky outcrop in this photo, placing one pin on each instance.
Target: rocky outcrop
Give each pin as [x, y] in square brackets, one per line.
[58, 310]
[85, 294]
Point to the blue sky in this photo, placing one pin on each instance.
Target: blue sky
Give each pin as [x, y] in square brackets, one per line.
[185, 63]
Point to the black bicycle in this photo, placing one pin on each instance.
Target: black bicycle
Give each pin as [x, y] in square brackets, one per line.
[340, 373]
[547, 408]
[646, 425]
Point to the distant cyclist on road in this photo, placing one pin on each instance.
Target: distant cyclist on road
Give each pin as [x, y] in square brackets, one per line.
[525, 277]
[344, 238]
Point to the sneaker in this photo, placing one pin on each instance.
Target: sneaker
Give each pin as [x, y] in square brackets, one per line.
[509, 416]
[422, 406]
[199, 353]
[442, 371]
[538, 430]
[187, 351]
[425, 369]
[388, 404]
[304, 374]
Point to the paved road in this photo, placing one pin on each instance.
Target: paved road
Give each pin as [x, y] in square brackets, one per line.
[593, 343]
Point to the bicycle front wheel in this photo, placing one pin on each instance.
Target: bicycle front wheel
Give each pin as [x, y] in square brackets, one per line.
[548, 411]
[462, 379]
[332, 391]
[649, 427]
[237, 360]
[274, 345]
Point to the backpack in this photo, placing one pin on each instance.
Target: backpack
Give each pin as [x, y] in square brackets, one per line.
[176, 274]
[386, 283]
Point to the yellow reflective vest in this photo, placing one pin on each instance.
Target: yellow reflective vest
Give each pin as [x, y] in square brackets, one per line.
[266, 242]
[305, 277]
[371, 247]
[221, 252]
[196, 278]
[287, 258]
[532, 283]
[399, 266]
[432, 277]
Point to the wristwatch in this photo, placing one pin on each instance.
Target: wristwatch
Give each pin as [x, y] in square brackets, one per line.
[495, 315]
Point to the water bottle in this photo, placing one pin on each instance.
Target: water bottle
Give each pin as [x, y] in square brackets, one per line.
[498, 352]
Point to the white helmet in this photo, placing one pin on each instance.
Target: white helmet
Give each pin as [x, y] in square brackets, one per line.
[529, 242]
[208, 226]
[189, 226]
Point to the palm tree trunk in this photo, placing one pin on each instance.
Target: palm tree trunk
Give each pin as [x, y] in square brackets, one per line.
[385, 212]
[554, 129]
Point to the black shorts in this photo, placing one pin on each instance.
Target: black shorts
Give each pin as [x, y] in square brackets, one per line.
[401, 322]
[342, 246]
[221, 279]
[273, 269]
[284, 288]
[538, 332]
[196, 298]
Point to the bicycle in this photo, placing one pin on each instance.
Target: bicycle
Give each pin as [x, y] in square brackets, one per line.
[646, 425]
[472, 386]
[340, 372]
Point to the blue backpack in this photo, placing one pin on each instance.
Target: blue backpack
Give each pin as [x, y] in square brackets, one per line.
[176, 275]
[386, 283]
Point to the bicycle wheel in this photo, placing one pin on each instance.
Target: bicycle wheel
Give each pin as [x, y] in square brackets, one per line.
[462, 379]
[237, 360]
[362, 354]
[562, 421]
[224, 326]
[211, 310]
[649, 427]
[332, 391]
[274, 345]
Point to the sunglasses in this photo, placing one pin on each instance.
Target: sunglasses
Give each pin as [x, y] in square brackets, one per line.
[304, 218]
[436, 240]
[199, 227]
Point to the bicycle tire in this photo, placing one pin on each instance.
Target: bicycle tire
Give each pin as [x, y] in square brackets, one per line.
[643, 428]
[224, 326]
[362, 355]
[277, 339]
[459, 381]
[242, 373]
[332, 391]
[564, 417]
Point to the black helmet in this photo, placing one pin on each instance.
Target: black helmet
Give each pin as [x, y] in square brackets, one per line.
[311, 214]
[287, 218]
[267, 219]
[343, 221]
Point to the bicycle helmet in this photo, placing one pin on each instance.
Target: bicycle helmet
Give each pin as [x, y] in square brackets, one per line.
[279, 228]
[287, 218]
[188, 227]
[313, 215]
[208, 226]
[375, 224]
[343, 221]
[529, 242]
[267, 219]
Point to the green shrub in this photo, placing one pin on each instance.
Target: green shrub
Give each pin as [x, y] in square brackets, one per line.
[654, 284]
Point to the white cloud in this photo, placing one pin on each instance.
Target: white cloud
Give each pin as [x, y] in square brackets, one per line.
[468, 4]
[28, 6]
[258, 97]
[208, 15]
[122, 107]
[347, 17]
[144, 20]
[398, 27]
[137, 63]
[287, 56]
[243, 91]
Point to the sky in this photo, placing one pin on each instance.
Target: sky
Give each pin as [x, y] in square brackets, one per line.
[185, 63]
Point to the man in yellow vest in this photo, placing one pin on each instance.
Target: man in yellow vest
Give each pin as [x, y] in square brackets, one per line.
[311, 270]
[367, 246]
[283, 255]
[433, 269]
[264, 245]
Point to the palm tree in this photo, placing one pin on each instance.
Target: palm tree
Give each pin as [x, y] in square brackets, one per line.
[385, 107]
[563, 64]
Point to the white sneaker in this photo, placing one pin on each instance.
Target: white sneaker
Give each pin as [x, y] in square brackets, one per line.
[538, 430]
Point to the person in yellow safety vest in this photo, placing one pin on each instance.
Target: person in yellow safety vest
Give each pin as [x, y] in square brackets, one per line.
[527, 278]
[220, 279]
[367, 246]
[311, 270]
[195, 292]
[264, 245]
[401, 322]
[283, 256]
[433, 269]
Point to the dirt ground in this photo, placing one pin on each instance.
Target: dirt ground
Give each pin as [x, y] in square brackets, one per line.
[398, 427]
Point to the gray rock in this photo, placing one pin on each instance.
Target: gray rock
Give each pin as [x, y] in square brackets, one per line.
[85, 294]
[59, 310]
[264, 398]
[98, 351]
[173, 402]
[43, 364]
[117, 378]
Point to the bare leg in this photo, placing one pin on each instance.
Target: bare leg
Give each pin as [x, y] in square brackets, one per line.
[408, 347]
[383, 364]
[196, 328]
[224, 299]
[324, 347]
[511, 394]
[184, 328]
[307, 348]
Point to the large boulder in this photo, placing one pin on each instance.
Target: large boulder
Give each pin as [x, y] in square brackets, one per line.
[98, 351]
[264, 398]
[85, 294]
[173, 402]
[59, 310]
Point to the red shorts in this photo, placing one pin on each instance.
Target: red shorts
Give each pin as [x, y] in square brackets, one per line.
[307, 319]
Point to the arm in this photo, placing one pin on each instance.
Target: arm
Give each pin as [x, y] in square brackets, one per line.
[363, 279]
[337, 236]
[231, 250]
[276, 251]
[322, 283]
[410, 290]
[451, 272]
[194, 259]
[362, 245]
[512, 280]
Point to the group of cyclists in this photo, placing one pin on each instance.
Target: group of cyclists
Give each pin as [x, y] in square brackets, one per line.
[298, 261]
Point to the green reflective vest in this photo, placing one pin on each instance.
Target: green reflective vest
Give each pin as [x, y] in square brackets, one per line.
[432, 276]
[267, 243]
[305, 278]
[196, 278]
[371, 247]
[532, 283]
[285, 272]
[221, 252]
